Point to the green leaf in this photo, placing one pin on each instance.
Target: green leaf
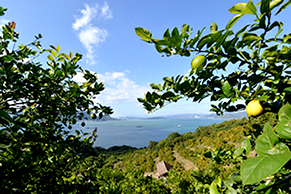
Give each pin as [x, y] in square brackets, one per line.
[222, 38]
[185, 28]
[241, 30]
[250, 9]
[226, 88]
[250, 37]
[286, 38]
[213, 188]
[167, 79]
[233, 21]
[203, 41]
[283, 129]
[167, 34]
[50, 58]
[7, 58]
[265, 6]
[238, 152]
[4, 146]
[213, 27]
[67, 57]
[285, 112]
[5, 115]
[58, 48]
[144, 34]
[284, 7]
[246, 144]
[53, 47]
[238, 8]
[154, 86]
[256, 169]
[275, 3]
[2, 11]
[268, 143]
[231, 191]
[53, 53]
[175, 32]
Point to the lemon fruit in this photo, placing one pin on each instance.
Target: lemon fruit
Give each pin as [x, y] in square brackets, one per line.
[198, 61]
[93, 116]
[254, 108]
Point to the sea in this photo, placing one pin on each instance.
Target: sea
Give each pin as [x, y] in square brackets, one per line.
[139, 132]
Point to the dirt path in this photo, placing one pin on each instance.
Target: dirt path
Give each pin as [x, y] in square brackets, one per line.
[187, 164]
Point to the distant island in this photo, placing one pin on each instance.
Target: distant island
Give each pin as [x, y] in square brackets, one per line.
[236, 115]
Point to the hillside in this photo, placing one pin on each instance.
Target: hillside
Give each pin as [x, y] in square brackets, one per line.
[197, 158]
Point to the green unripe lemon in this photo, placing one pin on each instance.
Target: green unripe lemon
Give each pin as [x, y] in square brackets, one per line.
[254, 108]
[198, 61]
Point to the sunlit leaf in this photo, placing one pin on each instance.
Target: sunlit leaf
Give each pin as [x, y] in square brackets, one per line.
[256, 169]
[58, 48]
[226, 88]
[275, 3]
[144, 34]
[246, 144]
[213, 27]
[268, 143]
[265, 6]
[50, 58]
[285, 112]
[283, 128]
[213, 188]
[250, 8]
[53, 53]
[238, 8]
[283, 7]
[233, 21]
[67, 57]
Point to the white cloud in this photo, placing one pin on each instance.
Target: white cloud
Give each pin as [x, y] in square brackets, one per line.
[118, 88]
[89, 35]
[87, 15]
[106, 12]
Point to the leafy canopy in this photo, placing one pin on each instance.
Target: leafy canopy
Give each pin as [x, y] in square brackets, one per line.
[261, 57]
[261, 61]
[38, 106]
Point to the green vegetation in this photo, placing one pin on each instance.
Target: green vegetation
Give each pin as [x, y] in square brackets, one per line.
[37, 154]
[260, 55]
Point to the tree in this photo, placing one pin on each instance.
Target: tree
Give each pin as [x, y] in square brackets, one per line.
[37, 107]
[262, 60]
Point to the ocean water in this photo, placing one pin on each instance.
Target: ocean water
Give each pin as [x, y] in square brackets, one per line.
[139, 132]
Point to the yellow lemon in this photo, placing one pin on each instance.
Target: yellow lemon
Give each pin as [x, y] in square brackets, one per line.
[198, 61]
[254, 108]
[93, 116]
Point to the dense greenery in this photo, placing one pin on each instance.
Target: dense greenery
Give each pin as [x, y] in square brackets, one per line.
[37, 104]
[261, 58]
[40, 103]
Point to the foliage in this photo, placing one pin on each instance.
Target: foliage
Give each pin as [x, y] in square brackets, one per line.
[37, 106]
[260, 55]
[261, 61]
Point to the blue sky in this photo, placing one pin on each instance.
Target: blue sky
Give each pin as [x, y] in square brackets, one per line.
[103, 31]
